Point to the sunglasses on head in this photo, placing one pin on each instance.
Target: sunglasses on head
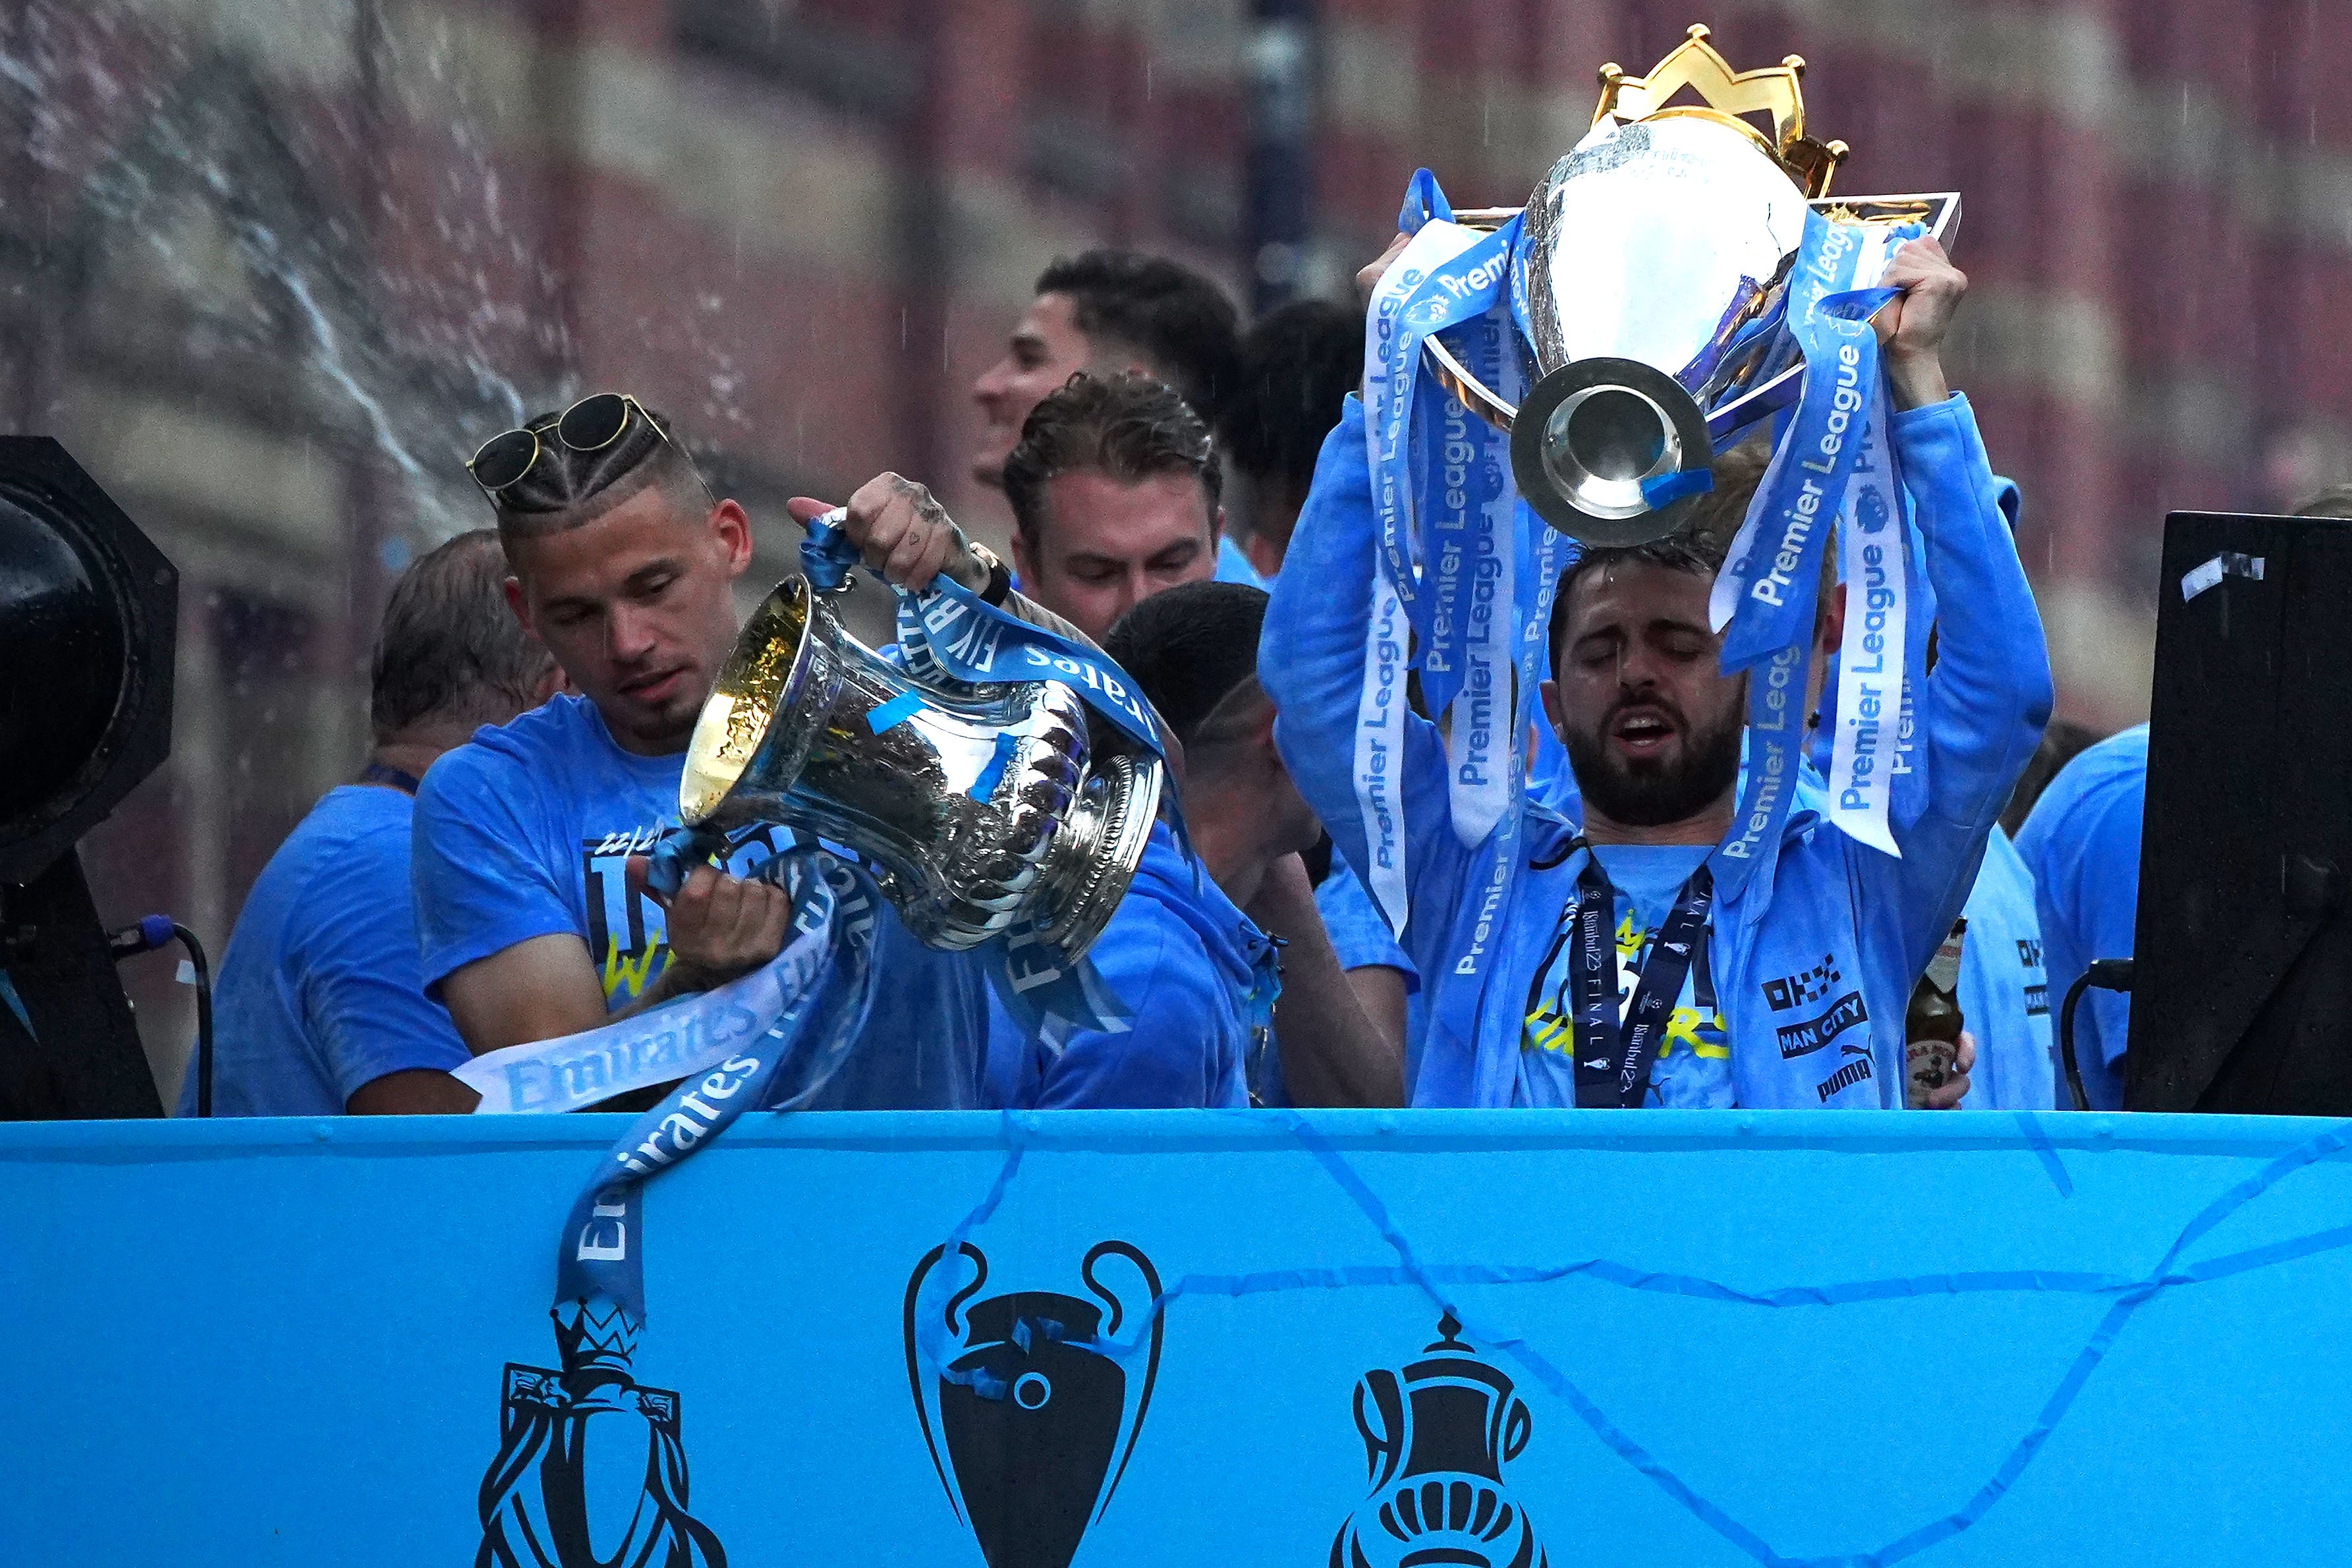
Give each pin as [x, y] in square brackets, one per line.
[591, 424]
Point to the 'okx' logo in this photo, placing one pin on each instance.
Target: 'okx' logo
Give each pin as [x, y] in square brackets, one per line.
[1436, 1437]
[1803, 989]
[1030, 1402]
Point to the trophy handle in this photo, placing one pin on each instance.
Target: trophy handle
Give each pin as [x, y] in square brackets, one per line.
[1456, 378]
[1381, 1418]
[1140, 1401]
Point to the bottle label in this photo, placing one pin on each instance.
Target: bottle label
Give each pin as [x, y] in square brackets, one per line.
[1943, 969]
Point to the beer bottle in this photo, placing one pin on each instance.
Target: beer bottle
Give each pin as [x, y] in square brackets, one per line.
[1932, 1024]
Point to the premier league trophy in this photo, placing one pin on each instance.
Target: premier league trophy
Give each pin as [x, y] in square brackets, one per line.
[1649, 280]
[986, 807]
[1566, 374]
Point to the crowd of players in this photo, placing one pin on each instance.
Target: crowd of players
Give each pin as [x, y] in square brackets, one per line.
[1194, 498]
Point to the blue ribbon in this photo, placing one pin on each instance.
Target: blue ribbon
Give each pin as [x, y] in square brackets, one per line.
[973, 641]
[827, 554]
[1461, 469]
[1461, 290]
[1423, 201]
[896, 711]
[1663, 491]
[1771, 633]
[601, 1257]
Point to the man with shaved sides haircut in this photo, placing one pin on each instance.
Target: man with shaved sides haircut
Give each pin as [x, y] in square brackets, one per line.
[530, 841]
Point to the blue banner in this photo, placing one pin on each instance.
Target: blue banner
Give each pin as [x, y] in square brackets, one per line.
[936, 1338]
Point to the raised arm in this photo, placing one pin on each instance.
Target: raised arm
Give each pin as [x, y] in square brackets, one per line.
[1334, 1051]
[1982, 709]
[1311, 661]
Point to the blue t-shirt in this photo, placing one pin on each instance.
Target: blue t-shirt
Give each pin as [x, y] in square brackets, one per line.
[2081, 845]
[2004, 992]
[1693, 1065]
[1177, 955]
[320, 991]
[526, 831]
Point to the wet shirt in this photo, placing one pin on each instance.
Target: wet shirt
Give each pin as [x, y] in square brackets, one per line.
[526, 831]
[320, 991]
[1177, 955]
[1693, 1065]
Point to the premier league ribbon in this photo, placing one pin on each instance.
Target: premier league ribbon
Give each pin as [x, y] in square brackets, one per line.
[1767, 591]
[1442, 496]
[1875, 661]
[1474, 599]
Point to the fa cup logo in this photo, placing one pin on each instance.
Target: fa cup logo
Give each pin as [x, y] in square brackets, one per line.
[1436, 1438]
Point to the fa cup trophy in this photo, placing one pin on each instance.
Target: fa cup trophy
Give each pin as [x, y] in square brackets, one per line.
[1650, 283]
[987, 808]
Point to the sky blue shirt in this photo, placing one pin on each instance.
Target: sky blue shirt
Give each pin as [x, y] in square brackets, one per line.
[2004, 990]
[1692, 1068]
[1835, 908]
[320, 990]
[1177, 955]
[526, 831]
[2081, 845]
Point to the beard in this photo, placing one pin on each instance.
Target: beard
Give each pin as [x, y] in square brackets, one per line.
[1653, 792]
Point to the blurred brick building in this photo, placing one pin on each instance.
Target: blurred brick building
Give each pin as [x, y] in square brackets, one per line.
[272, 267]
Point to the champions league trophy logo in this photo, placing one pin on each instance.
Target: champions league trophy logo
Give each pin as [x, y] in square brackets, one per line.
[984, 807]
[1435, 1440]
[1028, 1403]
[1651, 273]
[589, 1473]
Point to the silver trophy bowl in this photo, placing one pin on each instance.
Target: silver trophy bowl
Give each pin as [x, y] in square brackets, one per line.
[1652, 273]
[809, 728]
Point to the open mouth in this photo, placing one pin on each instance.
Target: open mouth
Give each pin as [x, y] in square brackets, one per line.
[1643, 731]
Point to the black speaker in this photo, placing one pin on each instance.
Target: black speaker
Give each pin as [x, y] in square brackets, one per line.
[2242, 991]
[88, 621]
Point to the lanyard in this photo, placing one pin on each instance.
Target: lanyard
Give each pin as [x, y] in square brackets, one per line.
[1612, 1064]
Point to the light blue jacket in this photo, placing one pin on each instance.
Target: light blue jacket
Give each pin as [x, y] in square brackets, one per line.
[1810, 984]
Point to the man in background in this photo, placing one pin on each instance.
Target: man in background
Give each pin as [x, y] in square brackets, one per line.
[321, 1004]
[1117, 494]
[2082, 844]
[1298, 365]
[1107, 312]
[1194, 650]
